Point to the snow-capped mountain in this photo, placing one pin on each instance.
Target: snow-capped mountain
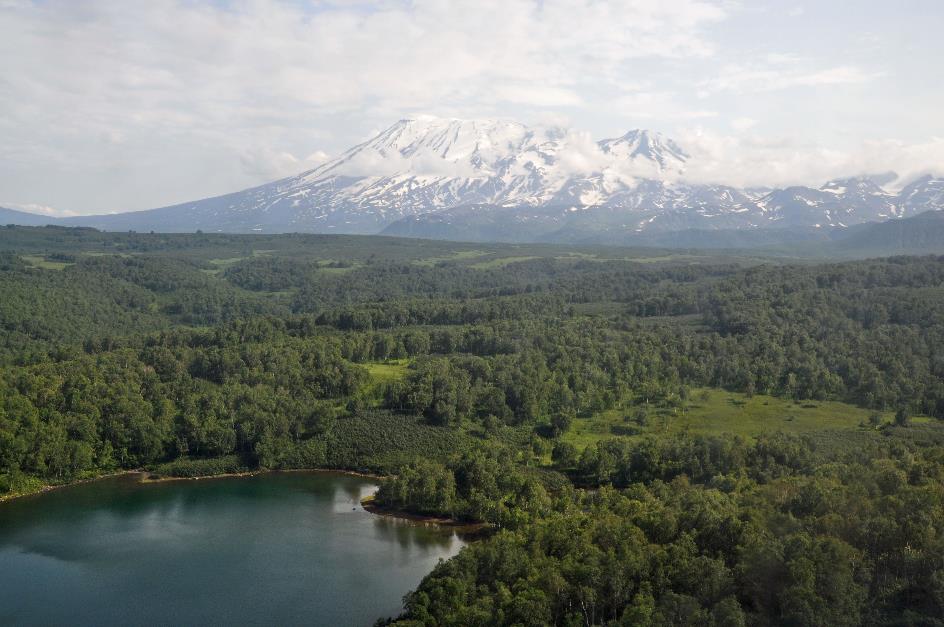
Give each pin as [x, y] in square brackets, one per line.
[925, 193]
[425, 166]
[653, 147]
[840, 202]
[428, 164]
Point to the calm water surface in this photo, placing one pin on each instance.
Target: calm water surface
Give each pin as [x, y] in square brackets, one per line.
[274, 549]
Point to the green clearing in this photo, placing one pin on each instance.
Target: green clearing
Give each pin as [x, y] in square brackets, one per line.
[102, 253]
[325, 266]
[666, 258]
[501, 262]
[580, 255]
[39, 261]
[222, 263]
[388, 371]
[459, 255]
[383, 373]
[228, 261]
[714, 412]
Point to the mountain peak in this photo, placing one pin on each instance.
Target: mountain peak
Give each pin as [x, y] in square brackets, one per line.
[853, 185]
[650, 145]
[449, 137]
[926, 191]
[643, 135]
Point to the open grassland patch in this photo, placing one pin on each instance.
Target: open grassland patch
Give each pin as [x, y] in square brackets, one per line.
[333, 266]
[219, 265]
[39, 261]
[384, 373]
[459, 255]
[713, 412]
[388, 371]
[501, 262]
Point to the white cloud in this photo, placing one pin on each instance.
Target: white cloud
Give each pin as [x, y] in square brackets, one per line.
[581, 155]
[647, 105]
[783, 74]
[266, 164]
[39, 209]
[170, 62]
[90, 88]
[743, 124]
[752, 161]
[110, 105]
[783, 70]
[538, 95]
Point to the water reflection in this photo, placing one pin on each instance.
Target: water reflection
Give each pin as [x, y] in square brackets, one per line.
[356, 491]
[410, 534]
[285, 548]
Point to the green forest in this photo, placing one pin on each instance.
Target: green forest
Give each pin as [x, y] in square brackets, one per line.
[648, 437]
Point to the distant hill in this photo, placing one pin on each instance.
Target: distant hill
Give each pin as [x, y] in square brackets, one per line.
[917, 235]
[921, 234]
[23, 218]
[593, 226]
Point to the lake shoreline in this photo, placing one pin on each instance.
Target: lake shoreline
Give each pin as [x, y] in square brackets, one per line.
[151, 477]
[369, 505]
[155, 478]
[147, 477]
[293, 531]
[51, 487]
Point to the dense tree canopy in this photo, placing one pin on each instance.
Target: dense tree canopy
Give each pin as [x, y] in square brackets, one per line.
[459, 373]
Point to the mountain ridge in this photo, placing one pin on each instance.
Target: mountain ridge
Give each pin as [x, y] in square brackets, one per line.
[420, 173]
[23, 218]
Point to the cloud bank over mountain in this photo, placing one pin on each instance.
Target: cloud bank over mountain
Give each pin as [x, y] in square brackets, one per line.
[116, 106]
[502, 180]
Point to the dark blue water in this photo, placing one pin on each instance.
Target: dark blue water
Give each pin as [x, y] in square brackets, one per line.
[274, 549]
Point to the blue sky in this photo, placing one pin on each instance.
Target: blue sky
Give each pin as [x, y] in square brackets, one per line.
[119, 105]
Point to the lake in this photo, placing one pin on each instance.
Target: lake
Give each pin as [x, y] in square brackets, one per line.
[272, 549]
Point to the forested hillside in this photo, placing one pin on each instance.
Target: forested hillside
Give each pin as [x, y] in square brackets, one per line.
[473, 376]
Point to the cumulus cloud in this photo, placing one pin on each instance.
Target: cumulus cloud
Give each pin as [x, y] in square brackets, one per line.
[581, 155]
[168, 62]
[743, 123]
[39, 209]
[653, 104]
[758, 78]
[90, 88]
[264, 163]
[747, 160]
[111, 105]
